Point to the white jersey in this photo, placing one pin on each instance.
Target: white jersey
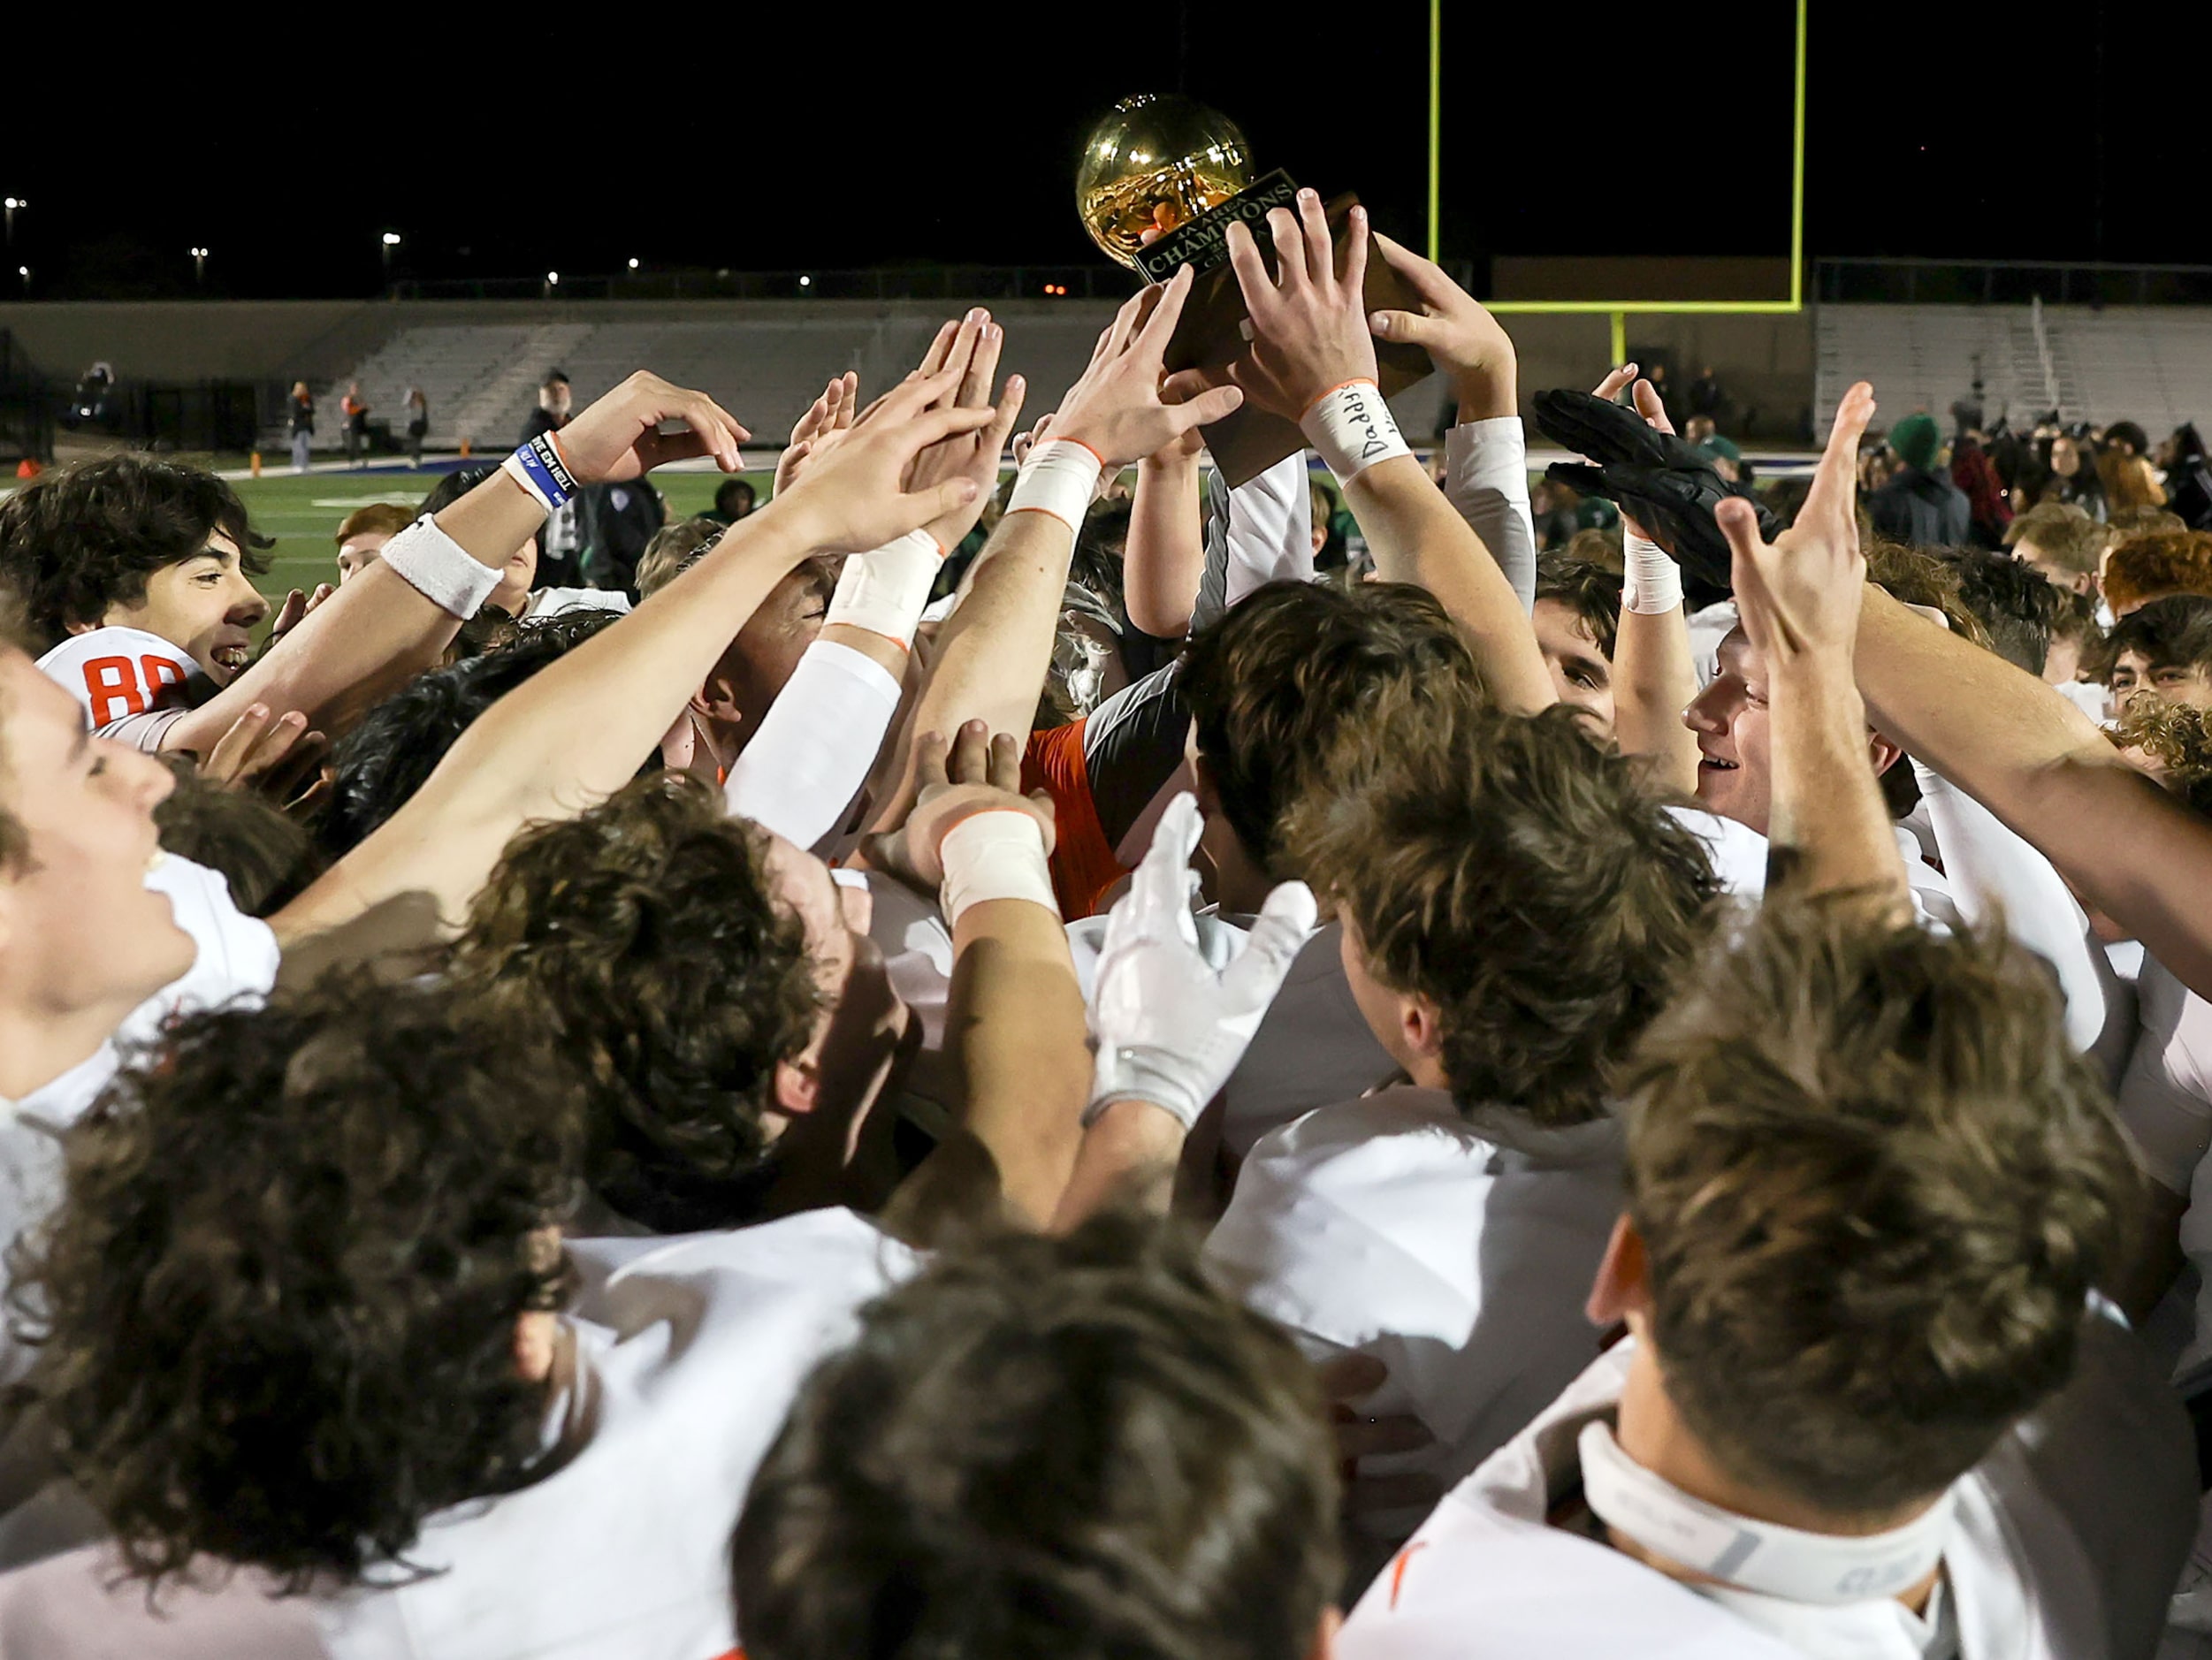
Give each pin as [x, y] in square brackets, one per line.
[236, 958]
[559, 602]
[131, 685]
[2066, 1542]
[689, 1352]
[1459, 1253]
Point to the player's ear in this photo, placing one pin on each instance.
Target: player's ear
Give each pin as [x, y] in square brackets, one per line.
[1623, 1286]
[797, 1088]
[1423, 1023]
[1884, 753]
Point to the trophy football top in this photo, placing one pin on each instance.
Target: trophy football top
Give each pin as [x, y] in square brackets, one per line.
[1158, 161]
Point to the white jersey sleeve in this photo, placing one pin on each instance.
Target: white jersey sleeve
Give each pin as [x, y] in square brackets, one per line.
[1486, 477]
[118, 675]
[800, 774]
[2164, 1097]
[237, 954]
[1737, 851]
[1262, 532]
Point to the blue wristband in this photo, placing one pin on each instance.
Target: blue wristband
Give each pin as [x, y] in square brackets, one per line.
[538, 467]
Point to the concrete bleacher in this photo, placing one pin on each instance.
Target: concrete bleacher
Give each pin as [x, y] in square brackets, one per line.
[763, 364]
[2150, 364]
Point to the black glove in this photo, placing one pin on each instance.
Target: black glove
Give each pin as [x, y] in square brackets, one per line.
[1665, 485]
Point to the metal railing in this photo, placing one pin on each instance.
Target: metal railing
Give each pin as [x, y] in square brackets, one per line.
[2002, 282]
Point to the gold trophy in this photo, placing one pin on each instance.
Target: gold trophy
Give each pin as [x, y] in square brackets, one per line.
[1163, 178]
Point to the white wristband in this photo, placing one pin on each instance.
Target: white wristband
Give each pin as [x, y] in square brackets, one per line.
[1651, 582]
[1060, 477]
[884, 591]
[440, 569]
[1352, 427]
[996, 855]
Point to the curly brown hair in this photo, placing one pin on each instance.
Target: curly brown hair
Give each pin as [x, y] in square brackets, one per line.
[276, 1316]
[1521, 877]
[1874, 1184]
[644, 937]
[1587, 589]
[963, 1481]
[2174, 737]
[83, 537]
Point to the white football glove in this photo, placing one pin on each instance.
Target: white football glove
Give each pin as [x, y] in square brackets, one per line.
[1170, 1029]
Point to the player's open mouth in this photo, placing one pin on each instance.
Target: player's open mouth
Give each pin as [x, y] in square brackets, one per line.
[1717, 765]
[231, 659]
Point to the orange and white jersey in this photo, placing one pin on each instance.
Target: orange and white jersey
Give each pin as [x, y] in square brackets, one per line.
[119, 674]
[689, 1352]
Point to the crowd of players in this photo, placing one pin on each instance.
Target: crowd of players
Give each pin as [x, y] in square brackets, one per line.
[977, 1072]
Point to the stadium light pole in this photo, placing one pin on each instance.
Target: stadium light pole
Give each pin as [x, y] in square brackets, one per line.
[391, 241]
[200, 267]
[11, 203]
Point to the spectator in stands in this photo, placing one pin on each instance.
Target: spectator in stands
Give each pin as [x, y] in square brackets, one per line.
[1975, 473]
[733, 501]
[1727, 458]
[302, 425]
[2073, 478]
[417, 425]
[1707, 400]
[2147, 567]
[354, 412]
[2164, 649]
[2187, 476]
[552, 412]
[616, 525]
[364, 534]
[1919, 505]
[2063, 541]
[2124, 468]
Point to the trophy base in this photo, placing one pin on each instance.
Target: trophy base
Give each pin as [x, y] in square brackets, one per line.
[1248, 441]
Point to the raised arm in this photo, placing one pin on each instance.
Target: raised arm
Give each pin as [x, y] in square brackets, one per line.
[821, 739]
[1165, 555]
[1312, 361]
[992, 656]
[1799, 599]
[1014, 1015]
[1170, 1029]
[2125, 845]
[578, 730]
[1653, 677]
[1486, 454]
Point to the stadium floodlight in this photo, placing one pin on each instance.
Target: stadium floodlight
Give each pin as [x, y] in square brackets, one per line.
[392, 238]
[806, 282]
[552, 277]
[199, 265]
[13, 203]
[633, 264]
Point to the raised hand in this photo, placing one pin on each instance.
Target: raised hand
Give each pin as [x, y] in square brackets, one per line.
[1170, 1029]
[973, 346]
[978, 771]
[1309, 326]
[619, 437]
[1667, 486]
[828, 415]
[860, 494]
[1461, 337]
[273, 756]
[1115, 409]
[1799, 594]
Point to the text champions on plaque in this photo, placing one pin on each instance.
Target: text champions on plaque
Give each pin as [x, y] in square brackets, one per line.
[1203, 243]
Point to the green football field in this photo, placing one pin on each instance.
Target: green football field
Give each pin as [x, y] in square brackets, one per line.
[303, 514]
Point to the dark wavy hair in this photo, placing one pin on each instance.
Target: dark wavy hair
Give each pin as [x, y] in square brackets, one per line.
[1038, 1449]
[2013, 602]
[646, 939]
[83, 537]
[1874, 1186]
[1524, 880]
[380, 764]
[276, 1317]
[1588, 590]
[1270, 684]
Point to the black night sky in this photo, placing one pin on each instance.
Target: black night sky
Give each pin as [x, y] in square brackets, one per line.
[817, 139]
